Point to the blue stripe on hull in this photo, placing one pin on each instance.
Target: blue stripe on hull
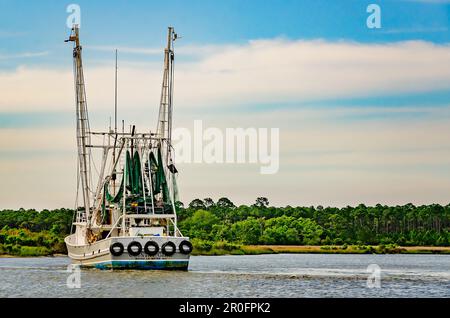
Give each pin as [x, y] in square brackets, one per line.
[143, 265]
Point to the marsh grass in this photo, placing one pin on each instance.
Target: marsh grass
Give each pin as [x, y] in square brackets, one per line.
[327, 249]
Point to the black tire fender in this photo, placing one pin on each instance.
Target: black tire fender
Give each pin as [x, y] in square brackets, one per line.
[166, 245]
[185, 247]
[116, 249]
[149, 251]
[131, 251]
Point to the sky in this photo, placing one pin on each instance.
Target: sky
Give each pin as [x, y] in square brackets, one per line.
[363, 114]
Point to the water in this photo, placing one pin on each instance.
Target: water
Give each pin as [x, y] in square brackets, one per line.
[294, 275]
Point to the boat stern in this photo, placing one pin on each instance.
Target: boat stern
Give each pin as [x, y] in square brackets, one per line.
[138, 253]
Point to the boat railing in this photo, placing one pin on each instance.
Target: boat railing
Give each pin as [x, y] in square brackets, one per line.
[159, 210]
[128, 217]
[81, 216]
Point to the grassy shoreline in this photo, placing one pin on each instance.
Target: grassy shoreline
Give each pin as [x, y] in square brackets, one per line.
[335, 249]
[291, 249]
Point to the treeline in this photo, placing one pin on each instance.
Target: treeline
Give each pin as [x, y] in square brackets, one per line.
[406, 225]
[223, 224]
[33, 233]
[57, 221]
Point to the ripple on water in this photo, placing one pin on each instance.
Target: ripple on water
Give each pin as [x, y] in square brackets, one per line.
[299, 275]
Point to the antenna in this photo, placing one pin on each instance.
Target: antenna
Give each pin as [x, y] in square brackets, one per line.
[115, 99]
[115, 115]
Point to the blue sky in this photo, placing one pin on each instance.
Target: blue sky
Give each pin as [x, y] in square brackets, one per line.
[39, 26]
[32, 33]
[361, 111]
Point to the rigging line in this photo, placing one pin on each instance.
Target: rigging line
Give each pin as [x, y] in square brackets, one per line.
[88, 135]
[76, 195]
[88, 126]
[100, 174]
[141, 154]
[92, 163]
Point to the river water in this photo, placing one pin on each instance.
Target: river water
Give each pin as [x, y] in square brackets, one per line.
[282, 275]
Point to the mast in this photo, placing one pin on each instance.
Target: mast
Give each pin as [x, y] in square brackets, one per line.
[82, 119]
[164, 128]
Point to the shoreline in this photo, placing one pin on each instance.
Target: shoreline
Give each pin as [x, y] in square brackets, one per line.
[300, 249]
[37, 256]
[334, 249]
[369, 249]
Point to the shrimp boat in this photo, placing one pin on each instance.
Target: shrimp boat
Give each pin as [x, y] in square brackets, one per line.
[127, 220]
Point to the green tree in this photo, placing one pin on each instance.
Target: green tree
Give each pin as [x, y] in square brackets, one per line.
[197, 204]
[225, 203]
[262, 202]
[248, 231]
[200, 225]
[209, 203]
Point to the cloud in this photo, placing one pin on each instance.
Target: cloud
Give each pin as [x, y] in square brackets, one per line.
[11, 34]
[261, 71]
[23, 55]
[37, 139]
[415, 30]
[324, 160]
[185, 50]
[123, 49]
